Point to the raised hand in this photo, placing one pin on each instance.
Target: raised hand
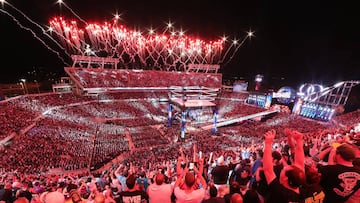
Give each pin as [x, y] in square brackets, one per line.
[288, 132]
[270, 136]
[297, 135]
[293, 133]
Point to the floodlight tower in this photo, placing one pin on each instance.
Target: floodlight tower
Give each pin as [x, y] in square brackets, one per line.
[23, 84]
[258, 81]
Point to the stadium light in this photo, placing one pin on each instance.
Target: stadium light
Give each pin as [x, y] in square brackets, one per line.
[258, 78]
[23, 84]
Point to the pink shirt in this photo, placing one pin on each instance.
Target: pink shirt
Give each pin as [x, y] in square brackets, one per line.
[159, 193]
[195, 196]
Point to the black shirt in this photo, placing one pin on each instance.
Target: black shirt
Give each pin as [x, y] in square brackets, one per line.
[339, 182]
[280, 194]
[220, 174]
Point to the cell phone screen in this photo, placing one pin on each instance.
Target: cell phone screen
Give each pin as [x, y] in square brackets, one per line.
[191, 166]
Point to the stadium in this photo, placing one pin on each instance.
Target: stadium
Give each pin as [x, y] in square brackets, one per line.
[138, 102]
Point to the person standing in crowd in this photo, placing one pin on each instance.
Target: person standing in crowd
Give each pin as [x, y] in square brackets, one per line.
[24, 191]
[132, 194]
[234, 188]
[109, 197]
[242, 176]
[8, 195]
[21, 200]
[277, 162]
[340, 179]
[251, 196]
[213, 196]
[99, 198]
[121, 174]
[236, 198]
[286, 188]
[143, 181]
[160, 191]
[190, 192]
[54, 197]
[220, 173]
[312, 191]
[257, 163]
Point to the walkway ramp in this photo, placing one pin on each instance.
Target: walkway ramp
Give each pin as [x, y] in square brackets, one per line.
[228, 122]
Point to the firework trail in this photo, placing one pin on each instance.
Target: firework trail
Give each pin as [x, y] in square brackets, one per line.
[236, 49]
[34, 35]
[39, 26]
[63, 3]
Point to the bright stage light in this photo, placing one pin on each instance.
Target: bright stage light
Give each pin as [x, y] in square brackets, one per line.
[259, 78]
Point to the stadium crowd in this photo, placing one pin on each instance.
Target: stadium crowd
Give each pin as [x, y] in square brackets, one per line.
[95, 78]
[81, 149]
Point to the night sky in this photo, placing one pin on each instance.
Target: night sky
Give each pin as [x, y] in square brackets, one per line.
[295, 41]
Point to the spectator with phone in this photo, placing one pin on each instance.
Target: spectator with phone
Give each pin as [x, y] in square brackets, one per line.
[189, 193]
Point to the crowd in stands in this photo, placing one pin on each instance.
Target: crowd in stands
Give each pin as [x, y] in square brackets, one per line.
[95, 78]
[20, 112]
[284, 158]
[155, 94]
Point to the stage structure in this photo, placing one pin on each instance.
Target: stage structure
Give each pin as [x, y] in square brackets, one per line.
[316, 102]
[195, 104]
[94, 62]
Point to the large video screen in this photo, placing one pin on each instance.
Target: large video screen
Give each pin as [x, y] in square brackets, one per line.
[316, 111]
[261, 100]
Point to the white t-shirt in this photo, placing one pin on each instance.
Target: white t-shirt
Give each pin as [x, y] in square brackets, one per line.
[195, 196]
